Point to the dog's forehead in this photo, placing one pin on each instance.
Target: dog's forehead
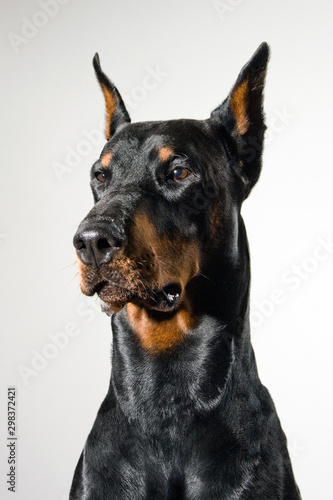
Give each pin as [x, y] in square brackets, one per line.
[159, 139]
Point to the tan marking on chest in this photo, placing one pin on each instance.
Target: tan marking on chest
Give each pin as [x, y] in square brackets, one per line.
[157, 336]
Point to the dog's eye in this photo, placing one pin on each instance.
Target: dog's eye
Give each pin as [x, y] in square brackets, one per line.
[100, 176]
[179, 173]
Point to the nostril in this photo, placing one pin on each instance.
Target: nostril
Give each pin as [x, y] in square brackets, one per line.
[103, 244]
[80, 245]
[117, 244]
[79, 242]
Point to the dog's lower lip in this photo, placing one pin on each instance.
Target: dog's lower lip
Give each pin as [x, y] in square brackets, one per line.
[113, 297]
[111, 308]
[99, 287]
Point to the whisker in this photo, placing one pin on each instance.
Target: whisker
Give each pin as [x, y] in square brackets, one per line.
[69, 265]
[206, 277]
[73, 277]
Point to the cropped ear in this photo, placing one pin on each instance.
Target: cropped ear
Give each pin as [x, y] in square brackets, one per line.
[241, 117]
[116, 114]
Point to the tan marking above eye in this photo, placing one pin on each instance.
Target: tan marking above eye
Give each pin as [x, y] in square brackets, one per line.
[165, 153]
[105, 161]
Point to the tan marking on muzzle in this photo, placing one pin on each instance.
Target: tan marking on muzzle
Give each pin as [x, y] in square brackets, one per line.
[86, 273]
[173, 260]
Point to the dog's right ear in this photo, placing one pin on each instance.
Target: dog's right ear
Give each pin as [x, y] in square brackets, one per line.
[116, 114]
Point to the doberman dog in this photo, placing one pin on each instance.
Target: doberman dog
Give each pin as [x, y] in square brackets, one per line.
[164, 247]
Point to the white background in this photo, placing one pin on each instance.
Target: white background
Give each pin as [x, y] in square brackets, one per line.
[50, 101]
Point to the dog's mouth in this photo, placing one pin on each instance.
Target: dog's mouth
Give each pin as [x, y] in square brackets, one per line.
[114, 297]
[150, 270]
[168, 298]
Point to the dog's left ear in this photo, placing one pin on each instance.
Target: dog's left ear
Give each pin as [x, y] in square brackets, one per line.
[116, 113]
[241, 118]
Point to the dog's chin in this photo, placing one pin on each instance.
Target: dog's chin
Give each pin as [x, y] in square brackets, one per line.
[110, 308]
[114, 298]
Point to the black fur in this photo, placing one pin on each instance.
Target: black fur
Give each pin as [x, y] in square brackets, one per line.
[193, 421]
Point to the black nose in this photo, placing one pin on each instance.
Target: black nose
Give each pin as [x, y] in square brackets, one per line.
[96, 243]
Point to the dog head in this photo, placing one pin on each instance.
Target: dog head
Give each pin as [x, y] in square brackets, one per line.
[168, 195]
